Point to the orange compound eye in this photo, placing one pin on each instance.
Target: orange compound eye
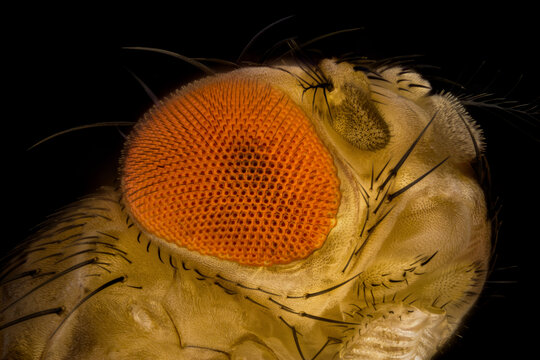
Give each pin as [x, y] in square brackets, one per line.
[234, 169]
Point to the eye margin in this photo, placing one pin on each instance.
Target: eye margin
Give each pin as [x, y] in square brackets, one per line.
[144, 188]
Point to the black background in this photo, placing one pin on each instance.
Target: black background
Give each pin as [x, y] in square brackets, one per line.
[65, 67]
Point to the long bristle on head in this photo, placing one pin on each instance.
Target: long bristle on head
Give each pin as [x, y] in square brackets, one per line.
[234, 169]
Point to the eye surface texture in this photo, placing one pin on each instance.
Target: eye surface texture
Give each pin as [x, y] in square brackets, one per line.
[241, 174]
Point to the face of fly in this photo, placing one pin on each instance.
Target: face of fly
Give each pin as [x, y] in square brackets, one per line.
[337, 200]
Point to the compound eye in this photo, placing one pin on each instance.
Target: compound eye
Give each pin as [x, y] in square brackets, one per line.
[232, 168]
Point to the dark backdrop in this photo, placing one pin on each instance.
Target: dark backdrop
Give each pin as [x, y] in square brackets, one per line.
[65, 68]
